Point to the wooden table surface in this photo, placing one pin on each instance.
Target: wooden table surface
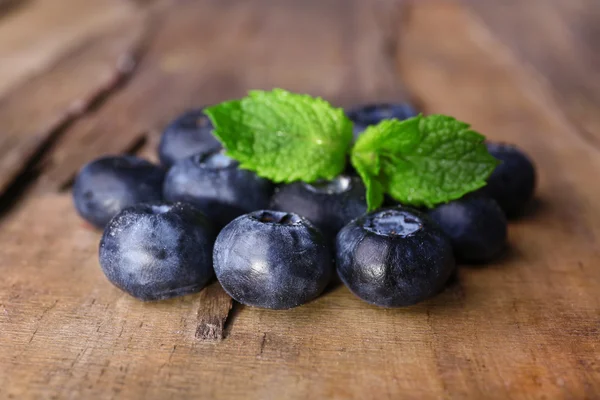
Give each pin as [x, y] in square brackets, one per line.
[82, 78]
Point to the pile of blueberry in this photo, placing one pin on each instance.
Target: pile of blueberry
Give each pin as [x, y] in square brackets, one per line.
[169, 229]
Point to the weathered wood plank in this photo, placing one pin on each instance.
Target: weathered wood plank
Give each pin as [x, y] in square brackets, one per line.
[7, 6]
[524, 327]
[317, 47]
[61, 296]
[38, 33]
[214, 306]
[560, 41]
[541, 301]
[33, 112]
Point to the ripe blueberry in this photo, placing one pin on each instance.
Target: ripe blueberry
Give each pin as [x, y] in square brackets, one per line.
[372, 114]
[476, 226]
[272, 259]
[158, 251]
[187, 135]
[328, 205]
[513, 182]
[109, 184]
[394, 257]
[214, 183]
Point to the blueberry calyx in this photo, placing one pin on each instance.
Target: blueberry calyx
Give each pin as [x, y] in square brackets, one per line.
[276, 217]
[393, 222]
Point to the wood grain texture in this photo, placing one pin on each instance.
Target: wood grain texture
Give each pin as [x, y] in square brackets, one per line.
[555, 313]
[35, 111]
[7, 6]
[316, 46]
[36, 34]
[560, 42]
[525, 327]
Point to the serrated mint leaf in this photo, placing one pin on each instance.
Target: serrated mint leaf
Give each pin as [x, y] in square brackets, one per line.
[422, 161]
[283, 136]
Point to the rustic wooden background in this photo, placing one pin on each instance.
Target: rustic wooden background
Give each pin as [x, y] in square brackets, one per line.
[83, 78]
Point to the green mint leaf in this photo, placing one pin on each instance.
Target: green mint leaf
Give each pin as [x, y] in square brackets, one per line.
[421, 161]
[369, 169]
[284, 136]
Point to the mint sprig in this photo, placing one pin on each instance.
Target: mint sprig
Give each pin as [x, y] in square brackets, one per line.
[286, 137]
[283, 136]
[422, 161]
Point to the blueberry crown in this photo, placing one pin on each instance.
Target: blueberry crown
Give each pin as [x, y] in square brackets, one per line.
[276, 217]
[393, 223]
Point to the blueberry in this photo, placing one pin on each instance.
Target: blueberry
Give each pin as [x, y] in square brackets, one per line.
[272, 259]
[394, 257]
[476, 226]
[328, 205]
[214, 183]
[158, 251]
[109, 184]
[513, 182]
[189, 134]
[372, 114]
